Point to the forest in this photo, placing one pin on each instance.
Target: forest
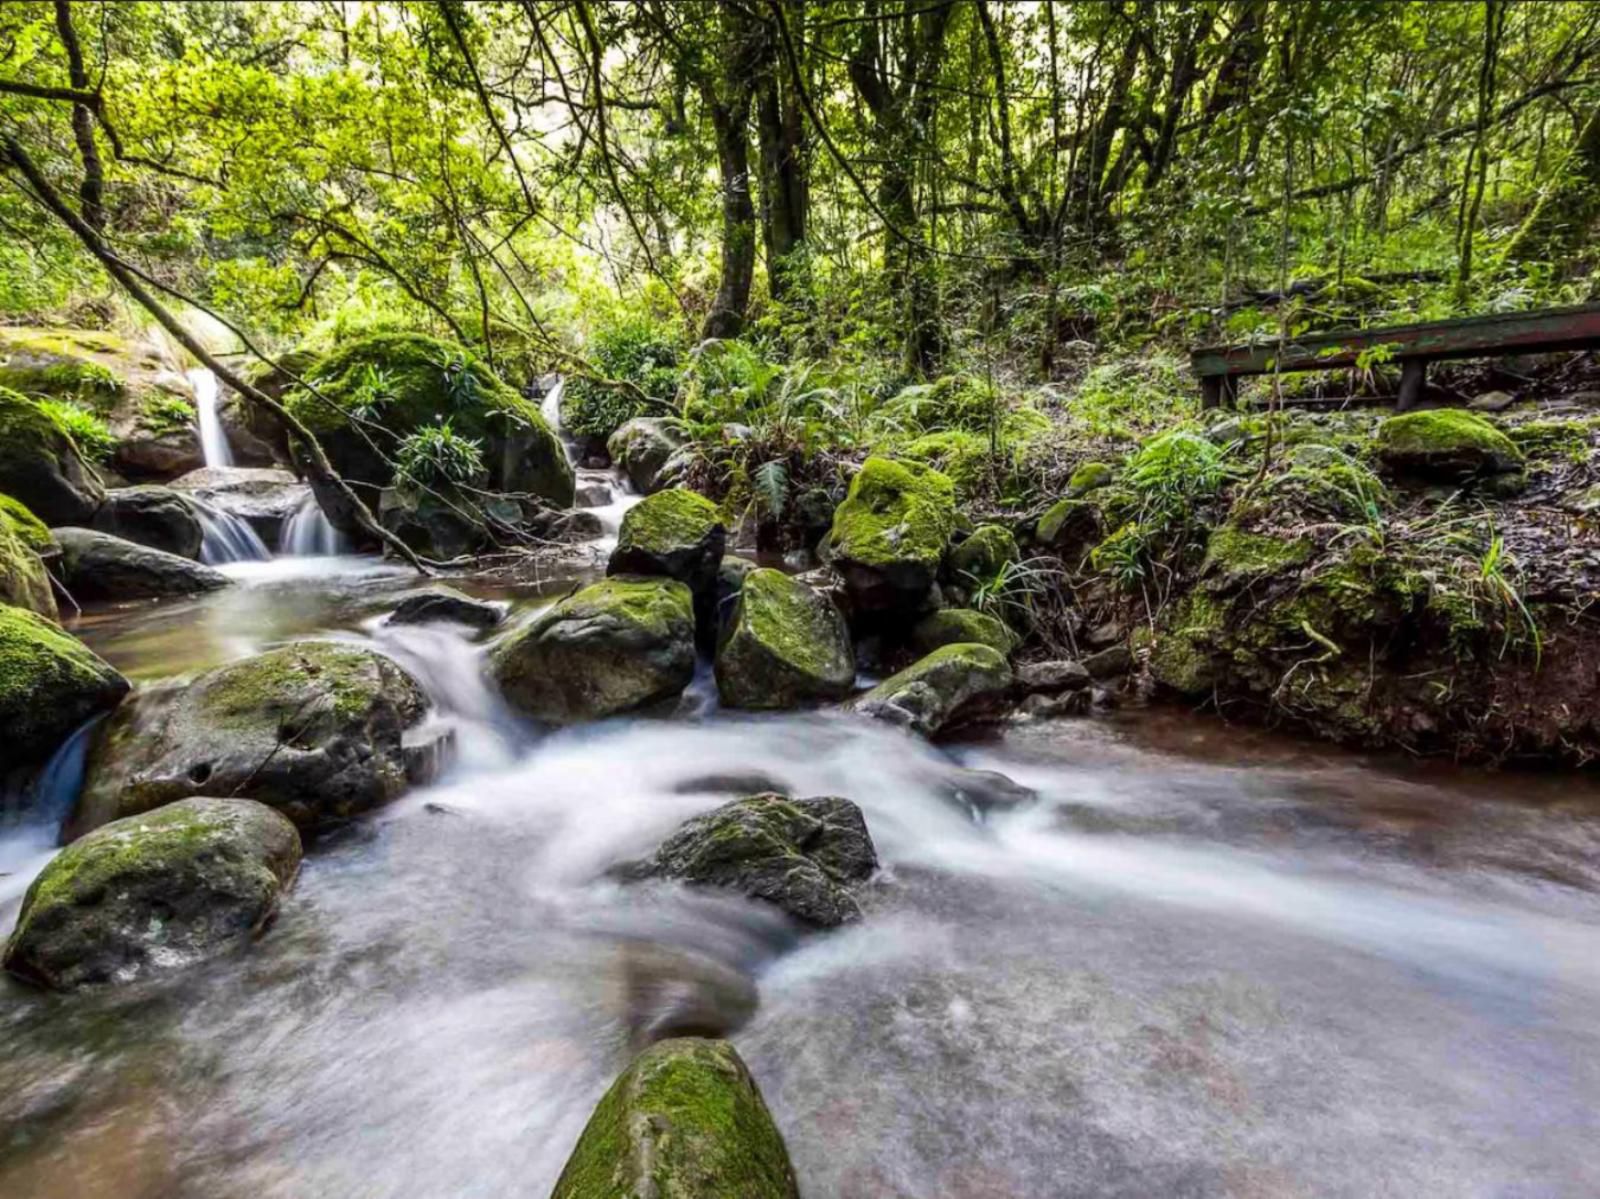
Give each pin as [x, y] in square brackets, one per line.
[757, 597]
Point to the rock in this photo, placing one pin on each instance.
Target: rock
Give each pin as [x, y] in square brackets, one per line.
[24, 581]
[952, 686]
[151, 515]
[50, 683]
[813, 515]
[802, 855]
[673, 534]
[40, 468]
[1091, 476]
[684, 1121]
[751, 782]
[988, 551]
[785, 646]
[448, 605]
[1445, 445]
[642, 447]
[434, 525]
[318, 730]
[952, 626]
[252, 440]
[1492, 401]
[1045, 707]
[265, 497]
[890, 534]
[154, 892]
[577, 524]
[612, 647]
[163, 452]
[1110, 663]
[593, 490]
[1070, 528]
[731, 574]
[1052, 678]
[98, 566]
[984, 791]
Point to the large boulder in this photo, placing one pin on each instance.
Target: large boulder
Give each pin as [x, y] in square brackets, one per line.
[265, 497]
[319, 730]
[24, 581]
[684, 1121]
[641, 449]
[785, 645]
[614, 646]
[40, 467]
[953, 686]
[398, 383]
[952, 626]
[153, 892]
[98, 566]
[1445, 445]
[151, 515]
[802, 855]
[50, 683]
[676, 534]
[890, 534]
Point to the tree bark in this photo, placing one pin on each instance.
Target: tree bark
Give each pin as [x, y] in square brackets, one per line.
[785, 174]
[727, 313]
[92, 191]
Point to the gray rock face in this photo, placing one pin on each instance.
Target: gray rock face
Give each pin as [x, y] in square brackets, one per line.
[154, 892]
[445, 604]
[804, 855]
[98, 566]
[641, 448]
[1052, 678]
[318, 730]
[151, 515]
[264, 496]
[953, 686]
[785, 646]
[1110, 663]
[984, 791]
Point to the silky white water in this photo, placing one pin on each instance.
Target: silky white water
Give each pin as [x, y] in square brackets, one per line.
[309, 533]
[213, 439]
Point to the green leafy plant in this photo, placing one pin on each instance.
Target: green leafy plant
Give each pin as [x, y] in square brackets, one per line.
[460, 384]
[435, 455]
[166, 414]
[375, 390]
[89, 433]
[634, 350]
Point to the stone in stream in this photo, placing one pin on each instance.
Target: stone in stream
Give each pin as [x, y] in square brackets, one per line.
[612, 647]
[445, 604]
[98, 566]
[154, 892]
[684, 1121]
[265, 497]
[890, 534]
[785, 646]
[24, 581]
[642, 447]
[1052, 678]
[319, 730]
[801, 855]
[956, 685]
[1110, 663]
[40, 466]
[676, 534]
[161, 518]
[953, 626]
[50, 683]
[984, 791]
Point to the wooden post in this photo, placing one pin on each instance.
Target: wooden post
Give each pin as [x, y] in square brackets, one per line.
[1413, 374]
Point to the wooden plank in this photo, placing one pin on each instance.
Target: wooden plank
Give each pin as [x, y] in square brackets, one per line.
[1546, 330]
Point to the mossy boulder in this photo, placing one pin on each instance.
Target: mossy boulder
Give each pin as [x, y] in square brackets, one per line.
[50, 683]
[954, 626]
[154, 892]
[33, 531]
[1446, 445]
[953, 686]
[613, 647]
[803, 855]
[1091, 476]
[642, 448]
[40, 467]
[24, 581]
[890, 534]
[155, 516]
[1235, 556]
[785, 646]
[684, 1121]
[98, 566]
[405, 381]
[318, 730]
[674, 534]
[1070, 528]
[989, 550]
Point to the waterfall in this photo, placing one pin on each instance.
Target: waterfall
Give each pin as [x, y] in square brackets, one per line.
[309, 533]
[213, 441]
[226, 537]
[550, 407]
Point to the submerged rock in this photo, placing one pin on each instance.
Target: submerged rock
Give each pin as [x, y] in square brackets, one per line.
[153, 892]
[803, 855]
[675, 534]
[953, 626]
[24, 581]
[956, 685]
[40, 467]
[445, 604]
[642, 447]
[319, 730]
[785, 646]
[983, 791]
[684, 1121]
[162, 518]
[50, 683]
[99, 566]
[1445, 445]
[612, 647]
[890, 534]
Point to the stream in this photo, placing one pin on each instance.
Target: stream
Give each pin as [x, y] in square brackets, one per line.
[1207, 962]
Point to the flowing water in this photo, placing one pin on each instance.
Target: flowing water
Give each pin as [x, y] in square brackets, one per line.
[213, 440]
[309, 533]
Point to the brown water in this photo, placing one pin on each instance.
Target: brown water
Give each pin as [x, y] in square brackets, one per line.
[1208, 962]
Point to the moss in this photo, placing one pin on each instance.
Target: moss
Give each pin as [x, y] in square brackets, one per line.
[965, 655]
[1089, 477]
[1182, 656]
[1445, 432]
[163, 414]
[658, 606]
[956, 626]
[277, 683]
[668, 520]
[1234, 556]
[24, 524]
[50, 682]
[895, 512]
[26, 430]
[786, 645]
[24, 581]
[983, 555]
[1568, 439]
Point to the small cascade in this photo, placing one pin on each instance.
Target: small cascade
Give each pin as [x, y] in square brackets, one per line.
[550, 408]
[227, 538]
[213, 441]
[309, 533]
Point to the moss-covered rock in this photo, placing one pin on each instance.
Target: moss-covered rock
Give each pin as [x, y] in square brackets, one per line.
[1070, 528]
[24, 581]
[159, 517]
[803, 855]
[1091, 476]
[1235, 556]
[641, 449]
[673, 534]
[34, 532]
[1445, 445]
[953, 686]
[98, 566]
[319, 730]
[39, 466]
[890, 534]
[954, 626]
[50, 683]
[984, 554]
[154, 892]
[785, 646]
[684, 1121]
[612, 647]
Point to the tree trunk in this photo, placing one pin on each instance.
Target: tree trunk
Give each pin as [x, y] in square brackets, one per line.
[1560, 221]
[785, 174]
[727, 313]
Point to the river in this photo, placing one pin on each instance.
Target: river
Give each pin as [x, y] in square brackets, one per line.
[1207, 962]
